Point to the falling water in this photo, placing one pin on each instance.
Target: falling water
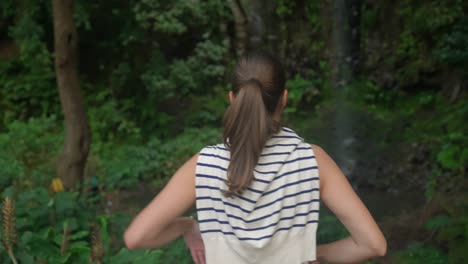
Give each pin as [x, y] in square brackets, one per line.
[342, 76]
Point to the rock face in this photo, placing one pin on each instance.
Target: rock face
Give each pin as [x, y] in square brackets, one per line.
[370, 152]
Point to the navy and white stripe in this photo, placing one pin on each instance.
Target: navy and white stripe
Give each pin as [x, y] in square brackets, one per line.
[282, 200]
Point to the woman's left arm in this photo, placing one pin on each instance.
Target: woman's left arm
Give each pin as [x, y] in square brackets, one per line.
[159, 223]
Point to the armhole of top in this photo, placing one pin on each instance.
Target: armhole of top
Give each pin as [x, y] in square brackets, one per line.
[202, 151]
[315, 160]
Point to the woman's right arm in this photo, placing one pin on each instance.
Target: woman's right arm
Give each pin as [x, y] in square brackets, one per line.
[366, 239]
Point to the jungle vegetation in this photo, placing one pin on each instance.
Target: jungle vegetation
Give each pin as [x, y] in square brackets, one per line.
[101, 101]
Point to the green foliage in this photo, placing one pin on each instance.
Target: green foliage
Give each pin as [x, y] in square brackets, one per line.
[313, 9]
[27, 81]
[175, 152]
[125, 165]
[108, 118]
[443, 127]
[125, 256]
[27, 150]
[453, 154]
[330, 229]
[45, 246]
[305, 92]
[416, 42]
[284, 8]
[431, 16]
[300, 91]
[153, 75]
[175, 17]
[81, 15]
[438, 127]
[452, 229]
[40, 219]
[7, 9]
[202, 66]
[156, 77]
[159, 79]
[189, 76]
[420, 254]
[373, 97]
[177, 252]
[452, 49]
[207, 109]
[369, 18]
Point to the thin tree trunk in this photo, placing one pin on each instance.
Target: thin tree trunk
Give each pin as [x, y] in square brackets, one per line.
[240, 20]
[71, 163]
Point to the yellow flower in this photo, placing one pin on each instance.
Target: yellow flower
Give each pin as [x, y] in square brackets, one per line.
[56, 185]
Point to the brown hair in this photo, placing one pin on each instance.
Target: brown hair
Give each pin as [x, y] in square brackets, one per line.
[257, 84]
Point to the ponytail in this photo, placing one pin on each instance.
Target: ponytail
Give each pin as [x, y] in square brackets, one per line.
[247, 126]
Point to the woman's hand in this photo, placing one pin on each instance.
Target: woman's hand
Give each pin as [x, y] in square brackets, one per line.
[195, 243]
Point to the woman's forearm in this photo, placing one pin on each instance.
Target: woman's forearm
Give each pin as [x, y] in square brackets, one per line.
[169, 233]
[347, 251]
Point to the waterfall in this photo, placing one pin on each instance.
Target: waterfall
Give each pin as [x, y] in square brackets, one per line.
[345, 58]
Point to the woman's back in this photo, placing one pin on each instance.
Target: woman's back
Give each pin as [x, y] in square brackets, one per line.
[257, 195]
[275, 219]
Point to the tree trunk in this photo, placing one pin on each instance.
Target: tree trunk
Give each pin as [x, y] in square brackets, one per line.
[240, 20]
[71, 163]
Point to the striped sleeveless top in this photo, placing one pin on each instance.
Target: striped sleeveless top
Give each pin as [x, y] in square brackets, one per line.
[275, 220]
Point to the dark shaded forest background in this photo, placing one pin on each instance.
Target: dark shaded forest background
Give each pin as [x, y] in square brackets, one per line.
[90, 132]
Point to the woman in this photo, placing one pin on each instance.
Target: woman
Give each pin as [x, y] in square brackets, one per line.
[257, 195]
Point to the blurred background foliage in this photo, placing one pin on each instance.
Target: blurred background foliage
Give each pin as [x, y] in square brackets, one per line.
[155, 75]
